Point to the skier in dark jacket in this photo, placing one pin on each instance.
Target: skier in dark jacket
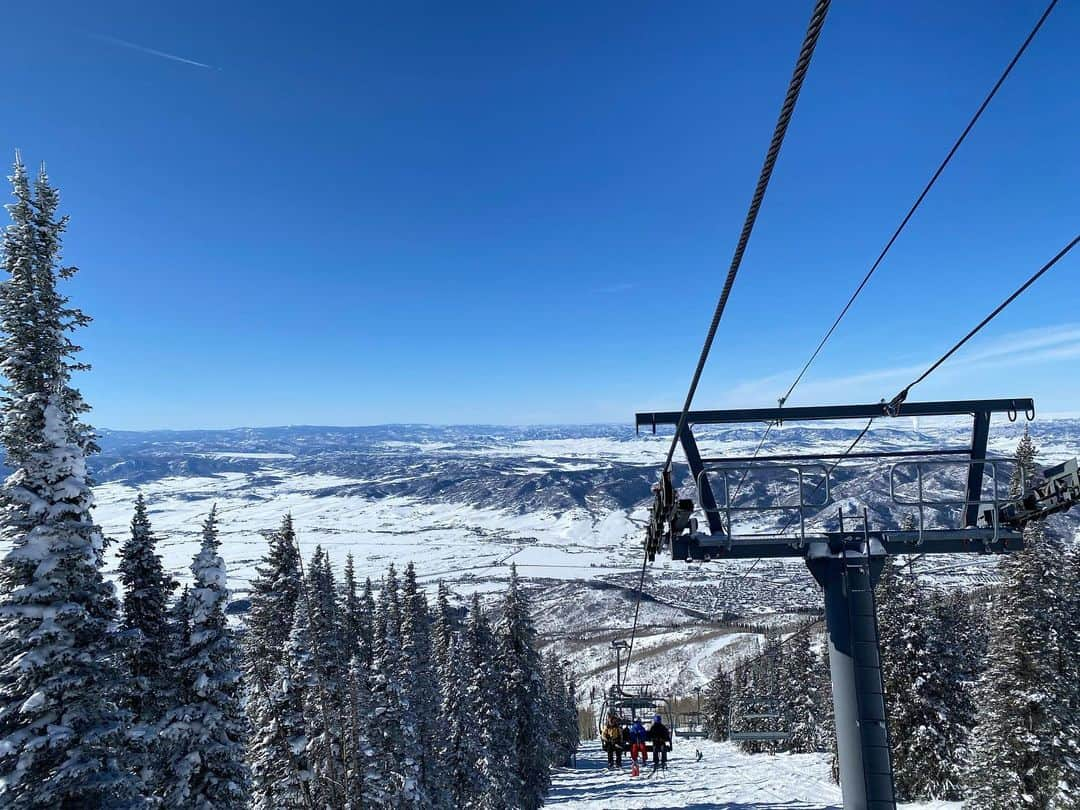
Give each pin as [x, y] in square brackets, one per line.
[660, 738]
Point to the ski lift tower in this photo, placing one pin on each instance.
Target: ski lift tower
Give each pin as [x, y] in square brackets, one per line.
[846, 558]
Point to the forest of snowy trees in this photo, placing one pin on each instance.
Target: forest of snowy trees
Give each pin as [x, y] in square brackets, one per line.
[982, 688]
[328, 694]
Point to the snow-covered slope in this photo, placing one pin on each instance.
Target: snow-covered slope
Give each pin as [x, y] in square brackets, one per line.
[724, 778]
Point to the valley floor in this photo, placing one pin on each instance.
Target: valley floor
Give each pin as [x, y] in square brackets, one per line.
[725, 779]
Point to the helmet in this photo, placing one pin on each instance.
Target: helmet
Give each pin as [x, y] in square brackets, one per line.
[656, 718]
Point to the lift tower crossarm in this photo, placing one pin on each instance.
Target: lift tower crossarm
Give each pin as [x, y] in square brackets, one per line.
[837, 412]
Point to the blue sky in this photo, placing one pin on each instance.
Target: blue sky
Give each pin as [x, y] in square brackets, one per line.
[523, 212]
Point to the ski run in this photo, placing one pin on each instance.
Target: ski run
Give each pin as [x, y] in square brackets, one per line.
[724, 779]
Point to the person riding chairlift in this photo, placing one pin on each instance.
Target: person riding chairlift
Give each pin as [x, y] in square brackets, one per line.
[612, 738]
[637, 742]
[660, 737]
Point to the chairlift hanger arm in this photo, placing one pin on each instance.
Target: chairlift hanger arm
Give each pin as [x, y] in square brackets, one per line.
[954, 451]
[963, 407]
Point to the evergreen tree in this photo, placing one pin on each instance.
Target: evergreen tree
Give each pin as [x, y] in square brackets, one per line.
[146, 646]
[274, 594]
[800, 695]
[562, 715]
[446, 625]
[524, 697]
[320, 678]
[905, 668]
[949, 692]
[1069, 799]
[207, 730]
[717, 706]
[478, 734]
[388, 763]
[147, 588]
[350, 609]
[1020, 752]
[420, 688]
[366, 624]
[462, 747]
[60, 730]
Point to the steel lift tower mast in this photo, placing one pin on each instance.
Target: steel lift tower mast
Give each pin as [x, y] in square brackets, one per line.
[846, 559]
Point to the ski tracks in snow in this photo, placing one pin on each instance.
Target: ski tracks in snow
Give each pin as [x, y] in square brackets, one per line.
[725, 779]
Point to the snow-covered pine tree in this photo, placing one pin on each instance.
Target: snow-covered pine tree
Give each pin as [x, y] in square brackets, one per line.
[60, 731]
[350, 608]
[304, 711]
[274, 594]
[149, 682]
[147, 589]
[717, 706]
[524, 697]
[570, 724]
[1069, 798]
[949, 692]
[320, 676]
[327, 631]
[905, 667]
[922, 667]
[207, 730]
[479, 734]
[362, 786]
[799, 695]
[386, 763]
[420, 687]
[562, 711]
[758, 693]
[742, 694]
[461, 747]
[367, 626]
[445, 626]
[1019, 750]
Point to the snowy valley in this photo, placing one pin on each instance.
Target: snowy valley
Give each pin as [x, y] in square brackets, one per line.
[564, 504]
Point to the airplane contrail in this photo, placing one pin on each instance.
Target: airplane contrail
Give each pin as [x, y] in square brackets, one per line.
[152, 51]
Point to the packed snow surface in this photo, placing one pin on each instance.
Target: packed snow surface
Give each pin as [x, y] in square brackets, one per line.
[724, 779]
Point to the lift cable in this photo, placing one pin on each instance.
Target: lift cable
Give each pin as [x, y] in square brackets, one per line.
[637, 609]
[903, 223]
[921, 197]
[893, 407]
[898, 400]
[817, 19]
[802, 64]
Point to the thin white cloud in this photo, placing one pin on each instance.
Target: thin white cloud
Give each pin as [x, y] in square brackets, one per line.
[1028, 347]
[152, 51]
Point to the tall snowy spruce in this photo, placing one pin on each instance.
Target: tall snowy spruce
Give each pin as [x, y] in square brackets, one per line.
[927, 680]
[562, 710]
[61, 731]
[393, 763]
[421, 690]
[1020, 754]
[717, 706]
[271, 703]
[524, 701]
[207, 730]
[800, 676]
[146, 645]
[479, 729]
